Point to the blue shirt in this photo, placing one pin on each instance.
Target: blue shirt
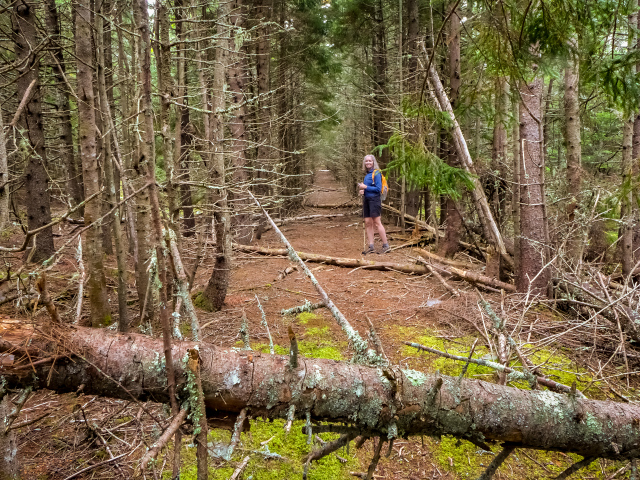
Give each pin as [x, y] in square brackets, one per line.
[373, 188]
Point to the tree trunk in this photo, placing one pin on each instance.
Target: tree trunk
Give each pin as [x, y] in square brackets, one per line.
[218, 284]
[236, 77]
[166, 87]
[451, 242]
[392, 402]
[9, 466]
[30, 121]
[627, 209]
[530, 275]
[263, 70]
[100, 314]
[571, 133]
[626, 206]
[74, 184]
[184, 129]
[380, 90]
[499, 152]
[143, 160]
[4, 179]
[636, 160]
[112, 186]
[489, 226]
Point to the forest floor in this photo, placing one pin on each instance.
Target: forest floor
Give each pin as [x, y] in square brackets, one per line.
[79, 431]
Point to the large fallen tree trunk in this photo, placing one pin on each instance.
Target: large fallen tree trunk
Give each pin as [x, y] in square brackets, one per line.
[368, 400]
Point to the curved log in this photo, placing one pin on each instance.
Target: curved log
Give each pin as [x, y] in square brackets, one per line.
[391, 401]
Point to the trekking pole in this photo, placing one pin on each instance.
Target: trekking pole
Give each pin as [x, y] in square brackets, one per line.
[364, 236]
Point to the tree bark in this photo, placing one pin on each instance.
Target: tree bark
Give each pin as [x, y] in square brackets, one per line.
[499, 151]
[184, 129]
[450, 245]
[166, 87]
[236, 79]
[218, 284]
[573, 147]
[4, 179]
[532, 276]
[74, 183]
[9, 466]
[143, 160]
[627, 208]
[263, 70]
[30, 121]
[112, 186]
[100, 314]
[393, 402]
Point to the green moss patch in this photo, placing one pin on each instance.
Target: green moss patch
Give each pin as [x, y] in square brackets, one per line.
[200, 301]
[281, 458]
[465, 460]
[558, 367]
[306, 317]
[461, 347]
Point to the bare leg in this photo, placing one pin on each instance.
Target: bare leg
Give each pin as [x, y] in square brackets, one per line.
[368, 223]
[377, 222]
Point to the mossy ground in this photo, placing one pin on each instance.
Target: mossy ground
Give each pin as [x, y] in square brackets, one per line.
[281, 458]
[313, 341]
[465, 460]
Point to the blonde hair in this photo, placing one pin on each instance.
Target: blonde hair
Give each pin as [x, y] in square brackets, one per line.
[375, 163]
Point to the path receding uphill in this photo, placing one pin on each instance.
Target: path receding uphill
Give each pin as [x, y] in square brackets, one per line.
[327, 192]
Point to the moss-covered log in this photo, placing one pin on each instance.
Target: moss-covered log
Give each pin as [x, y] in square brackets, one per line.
[384, 401]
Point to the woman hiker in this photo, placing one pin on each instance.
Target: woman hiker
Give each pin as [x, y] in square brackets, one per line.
[372, 203]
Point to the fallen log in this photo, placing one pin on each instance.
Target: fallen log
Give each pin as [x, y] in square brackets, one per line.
[338, 261]
[445, 261]
[371, 401]
[458, 273]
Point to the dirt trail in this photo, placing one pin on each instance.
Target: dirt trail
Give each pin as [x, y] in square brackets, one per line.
[401, 307]
[327, 191]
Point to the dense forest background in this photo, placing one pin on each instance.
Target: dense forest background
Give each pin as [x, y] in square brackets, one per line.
[164, 132]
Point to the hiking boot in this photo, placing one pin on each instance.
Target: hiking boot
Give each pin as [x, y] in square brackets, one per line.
[368, 250]
[385, 249]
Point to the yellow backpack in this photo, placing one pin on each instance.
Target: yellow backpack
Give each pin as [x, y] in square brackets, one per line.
[384, 190]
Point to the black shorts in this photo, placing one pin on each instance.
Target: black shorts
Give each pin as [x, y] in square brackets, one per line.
[371, 207]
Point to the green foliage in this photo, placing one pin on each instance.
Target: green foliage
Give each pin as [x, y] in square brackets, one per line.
[422, 168]
[620, 81]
